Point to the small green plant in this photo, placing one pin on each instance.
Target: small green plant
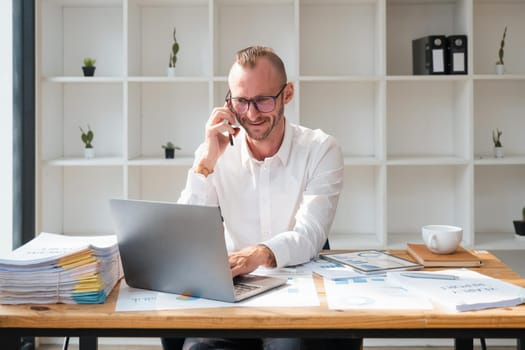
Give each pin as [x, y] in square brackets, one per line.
[496, 137]
[174, 51]
[501, 52]
[170, 145]
[89, 62]
[169, 150]
[87, 137]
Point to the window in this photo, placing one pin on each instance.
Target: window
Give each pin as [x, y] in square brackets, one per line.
[6, 131]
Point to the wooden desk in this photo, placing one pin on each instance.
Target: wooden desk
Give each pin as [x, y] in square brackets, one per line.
[91, 321]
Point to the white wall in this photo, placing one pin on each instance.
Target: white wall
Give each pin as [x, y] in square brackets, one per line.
[6, 127]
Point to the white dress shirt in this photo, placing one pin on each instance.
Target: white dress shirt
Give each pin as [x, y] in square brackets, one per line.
[286, 202]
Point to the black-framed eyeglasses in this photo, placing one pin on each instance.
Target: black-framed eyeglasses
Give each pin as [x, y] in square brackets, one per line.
[263, 104]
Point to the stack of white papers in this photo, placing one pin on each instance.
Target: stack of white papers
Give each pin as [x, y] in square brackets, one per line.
[460, 289]
[54, 268]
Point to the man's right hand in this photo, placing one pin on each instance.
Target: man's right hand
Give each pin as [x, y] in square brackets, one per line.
[220, 121]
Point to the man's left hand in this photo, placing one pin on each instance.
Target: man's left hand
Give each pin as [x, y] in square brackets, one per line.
[250, 258]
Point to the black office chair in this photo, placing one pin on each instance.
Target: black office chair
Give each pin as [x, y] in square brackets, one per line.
[172, 343]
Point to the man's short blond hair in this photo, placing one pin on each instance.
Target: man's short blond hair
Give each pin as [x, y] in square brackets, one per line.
[248, 58]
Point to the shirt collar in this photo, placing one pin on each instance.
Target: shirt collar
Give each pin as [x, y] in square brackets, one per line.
[283, 154]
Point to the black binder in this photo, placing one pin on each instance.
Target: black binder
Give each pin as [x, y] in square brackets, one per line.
[457, 54]
[428, 55]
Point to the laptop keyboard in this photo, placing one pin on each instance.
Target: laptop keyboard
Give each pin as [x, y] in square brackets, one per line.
[241, 288]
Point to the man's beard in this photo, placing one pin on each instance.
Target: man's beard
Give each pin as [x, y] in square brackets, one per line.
[260, 137]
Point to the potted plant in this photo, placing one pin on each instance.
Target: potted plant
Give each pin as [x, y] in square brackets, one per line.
[173, 55]
[498, 147]
[519, 225]
[89, 67]
[500, 67]
[169, 150]
[87, 138]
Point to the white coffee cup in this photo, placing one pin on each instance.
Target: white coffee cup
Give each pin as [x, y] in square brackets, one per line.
[442, 239]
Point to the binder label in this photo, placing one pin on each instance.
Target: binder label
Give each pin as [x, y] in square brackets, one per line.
[438, 64]
[458, 62]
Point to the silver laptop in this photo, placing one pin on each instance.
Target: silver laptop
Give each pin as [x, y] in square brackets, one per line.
[180, 248]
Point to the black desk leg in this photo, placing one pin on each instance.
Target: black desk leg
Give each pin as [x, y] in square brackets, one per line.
[464, 344]
[87, 343]
[10, 342]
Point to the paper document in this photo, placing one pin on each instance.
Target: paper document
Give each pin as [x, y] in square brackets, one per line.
[297, 292]
[134, 299]
[471, 291]
[334, 271]
[49, 247]
[371, 293]
[54, 268]
[371, 261]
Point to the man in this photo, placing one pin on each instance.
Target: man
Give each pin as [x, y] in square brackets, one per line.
[277, 183]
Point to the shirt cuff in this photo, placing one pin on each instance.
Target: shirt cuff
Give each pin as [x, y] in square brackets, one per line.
[196, 188]
[280, 251]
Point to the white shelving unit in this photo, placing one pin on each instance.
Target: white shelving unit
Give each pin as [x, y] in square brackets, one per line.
[417, 149]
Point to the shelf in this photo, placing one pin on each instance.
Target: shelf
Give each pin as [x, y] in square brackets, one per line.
[98, 161]
[499, 241]
[353, 108]
[503, 110]
[158, 113]
[98, 24]
[270, 23]
[499, 197]
[409, 20]
[150, 36]
[417, 149]
[178, 161]
[507, 160]
[489, 21]
[427, 78]
[499, 77]
[343, 22]
[74, 79]
[335, 79]
[428, 118]
[372, 161]
[158, 79]
[428, 160]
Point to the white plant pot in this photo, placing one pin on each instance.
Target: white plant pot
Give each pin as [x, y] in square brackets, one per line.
[89, 153]
[498, 152]
[500, 69]
[171, 71]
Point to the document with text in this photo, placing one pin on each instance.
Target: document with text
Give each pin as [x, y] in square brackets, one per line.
[467, 291]
[371, 293]
[299, 291]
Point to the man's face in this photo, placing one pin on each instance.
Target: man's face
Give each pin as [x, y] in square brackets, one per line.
[260, 125]
[252, 83]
